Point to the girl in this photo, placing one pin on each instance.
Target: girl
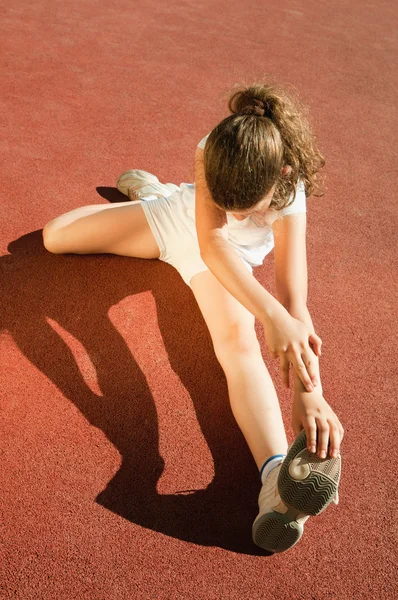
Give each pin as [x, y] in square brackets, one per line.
[253, 172]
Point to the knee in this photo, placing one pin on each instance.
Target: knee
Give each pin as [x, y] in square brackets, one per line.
[50, 238]
[239, 343]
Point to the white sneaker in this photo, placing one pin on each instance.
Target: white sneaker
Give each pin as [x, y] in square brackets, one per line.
[138, 184]
[277, 527]
[302, 485]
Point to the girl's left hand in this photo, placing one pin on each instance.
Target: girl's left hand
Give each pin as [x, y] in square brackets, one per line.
[312, 413]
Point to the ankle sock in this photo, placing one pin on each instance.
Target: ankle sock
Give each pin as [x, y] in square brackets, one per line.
[271, 463]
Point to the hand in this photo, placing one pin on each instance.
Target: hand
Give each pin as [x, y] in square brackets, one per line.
[289, 339]
[312, 413]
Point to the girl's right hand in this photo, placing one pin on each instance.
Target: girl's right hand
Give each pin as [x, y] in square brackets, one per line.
[290, 339]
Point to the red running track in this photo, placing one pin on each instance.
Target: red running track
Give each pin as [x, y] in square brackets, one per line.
[123, 472]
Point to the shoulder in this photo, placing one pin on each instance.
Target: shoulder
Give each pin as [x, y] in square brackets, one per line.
[202, 142]
[299, 203]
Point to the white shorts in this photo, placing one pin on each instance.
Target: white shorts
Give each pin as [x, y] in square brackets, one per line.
[175, 234]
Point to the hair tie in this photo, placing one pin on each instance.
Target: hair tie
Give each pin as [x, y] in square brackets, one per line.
[256, 108]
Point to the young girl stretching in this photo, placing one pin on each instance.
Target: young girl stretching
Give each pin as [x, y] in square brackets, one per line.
[253, 172]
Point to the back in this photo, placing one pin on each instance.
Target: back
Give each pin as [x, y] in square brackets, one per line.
[211, 221]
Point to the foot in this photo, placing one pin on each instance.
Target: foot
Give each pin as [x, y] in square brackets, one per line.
[306, 481]
[136, 184]
[277, 527]
[302, 485]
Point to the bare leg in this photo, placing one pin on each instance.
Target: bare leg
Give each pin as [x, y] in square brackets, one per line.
[255, 404]
[120, 228]
[252, 394]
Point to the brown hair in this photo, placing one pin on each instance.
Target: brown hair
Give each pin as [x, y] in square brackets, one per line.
[245, 153]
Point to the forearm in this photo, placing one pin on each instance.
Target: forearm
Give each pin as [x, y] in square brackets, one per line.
[226, 266]
[302, 314]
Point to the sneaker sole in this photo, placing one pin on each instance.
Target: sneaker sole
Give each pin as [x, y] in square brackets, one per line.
[276, 532]
[306, 482]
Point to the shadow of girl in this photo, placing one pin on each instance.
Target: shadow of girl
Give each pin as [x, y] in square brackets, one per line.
[77, 292]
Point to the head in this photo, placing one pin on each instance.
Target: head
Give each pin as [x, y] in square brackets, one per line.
[254, 157]
[259, 210]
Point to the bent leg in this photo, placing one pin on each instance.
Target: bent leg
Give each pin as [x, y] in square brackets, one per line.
[120, 228]
[252, 394]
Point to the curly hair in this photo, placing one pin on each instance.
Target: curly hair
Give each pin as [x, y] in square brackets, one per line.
[245, 153]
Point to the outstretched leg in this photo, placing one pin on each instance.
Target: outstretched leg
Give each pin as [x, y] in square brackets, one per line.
[296, 486]
[252, 394]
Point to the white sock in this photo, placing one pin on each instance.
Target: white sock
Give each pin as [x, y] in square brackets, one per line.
[270, 464]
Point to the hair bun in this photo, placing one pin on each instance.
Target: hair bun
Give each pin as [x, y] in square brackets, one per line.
[257, 107]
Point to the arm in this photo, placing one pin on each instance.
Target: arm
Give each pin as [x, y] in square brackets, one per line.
[310, 409]
[291, 275]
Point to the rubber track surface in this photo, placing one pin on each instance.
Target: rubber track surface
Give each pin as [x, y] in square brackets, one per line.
[123, 472]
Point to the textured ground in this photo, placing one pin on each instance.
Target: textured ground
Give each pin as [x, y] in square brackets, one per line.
[123, 472]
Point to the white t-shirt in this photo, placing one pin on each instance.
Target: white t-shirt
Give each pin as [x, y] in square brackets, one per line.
[255, 242]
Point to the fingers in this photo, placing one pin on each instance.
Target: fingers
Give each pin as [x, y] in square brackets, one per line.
[284, 366]
[316, 343]
[306, 372]
[310, 432]
[317, 431]
[318, 435]
[311, 368]
[335, 441]
[302, 359]
[302, 372]
[323, 437]
[305, 366]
